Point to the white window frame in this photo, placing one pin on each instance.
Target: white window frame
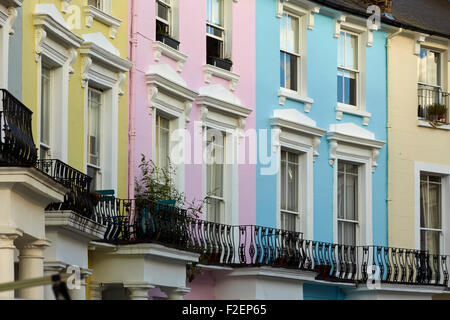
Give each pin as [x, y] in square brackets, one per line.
[441, 233]
[358, 235]
[223, 200]
[300, 191]
[47, 147]
[298, 54]
[349, 142]
[355, 71]
[227, 30]
[305, 17]
[364, 40]
[104, 5]
[169, 96]
[58, 51]
[169, 21]
[96, 167]
[444, 172]
[296, 132]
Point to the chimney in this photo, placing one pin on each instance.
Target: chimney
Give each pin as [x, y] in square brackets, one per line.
[385, 5]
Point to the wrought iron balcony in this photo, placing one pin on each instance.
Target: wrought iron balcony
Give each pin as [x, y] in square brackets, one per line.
[17, 147]
[131, 221]
[78, 199]
[433, 104]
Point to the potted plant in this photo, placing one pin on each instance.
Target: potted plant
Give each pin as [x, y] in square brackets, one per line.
[164, 37]
[225, 63]
[437, 112]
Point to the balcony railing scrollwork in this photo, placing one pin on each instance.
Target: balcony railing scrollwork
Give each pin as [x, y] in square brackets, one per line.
[132, 221]
[17, 147]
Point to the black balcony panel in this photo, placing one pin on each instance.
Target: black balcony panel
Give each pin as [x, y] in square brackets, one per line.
[17, 147]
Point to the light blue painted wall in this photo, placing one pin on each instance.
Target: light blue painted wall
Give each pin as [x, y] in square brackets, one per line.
[322, 87]
[15, 58]
[322, 292]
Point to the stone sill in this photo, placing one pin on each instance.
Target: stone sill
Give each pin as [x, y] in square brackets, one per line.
[344, 108]
[284, 94]
[93, 13]
[427, 124]
[160, 48]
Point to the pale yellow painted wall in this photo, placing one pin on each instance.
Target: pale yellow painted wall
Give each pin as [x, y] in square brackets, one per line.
[408, 143]
[76, 156]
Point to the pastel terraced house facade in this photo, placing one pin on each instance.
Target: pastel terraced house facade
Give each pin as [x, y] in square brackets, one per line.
[419, 167]
[62, 134]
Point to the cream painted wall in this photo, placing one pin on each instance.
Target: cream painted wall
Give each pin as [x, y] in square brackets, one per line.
[409, 143]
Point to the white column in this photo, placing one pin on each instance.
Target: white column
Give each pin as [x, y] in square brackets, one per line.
[95, 291]
[175, 293]
[138, 291]
[31, 265]
[7, 262]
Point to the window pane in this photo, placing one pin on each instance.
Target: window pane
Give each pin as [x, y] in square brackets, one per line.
[214, 210]
[341, 50]
[45, 106]
[292, 187]
[283, 32]
[434, 220]
[346, 87]
[288, 221]
[93, 173]
[283, 182]
[163, 141]
[288, 71]
[351, 197]
[341, 193]
[347, 233]
[351, 51]
[292, 34]
[163, 11]
[214, 12]
[430, 241]
[429, 67]
[214, 47]
[94, 126]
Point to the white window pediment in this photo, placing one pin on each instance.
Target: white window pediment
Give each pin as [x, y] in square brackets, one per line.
[53, 36]
[93, 13]
[167, 90]
[350, 139]
[102, 62]
[297, 129]
[219, 105]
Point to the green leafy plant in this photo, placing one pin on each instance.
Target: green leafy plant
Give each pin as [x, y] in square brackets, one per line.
[158, 184]
[436, 111]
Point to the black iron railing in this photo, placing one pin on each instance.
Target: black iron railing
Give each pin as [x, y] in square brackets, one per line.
[17, 147]
[132, 221]
[78, 199]
[429, 97]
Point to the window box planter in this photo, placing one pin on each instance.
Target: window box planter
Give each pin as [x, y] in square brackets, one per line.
[220, 63]
[164, 38]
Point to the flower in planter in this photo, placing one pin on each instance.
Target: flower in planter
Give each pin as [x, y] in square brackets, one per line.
[437, 112]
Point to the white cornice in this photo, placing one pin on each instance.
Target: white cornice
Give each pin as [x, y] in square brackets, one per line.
[161, 83]
[56, 30]
[221, 106]
[210, 71]
[160, 48]
[93, 13]
[105, 57]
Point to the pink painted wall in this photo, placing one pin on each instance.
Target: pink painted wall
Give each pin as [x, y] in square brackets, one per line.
[193, 44]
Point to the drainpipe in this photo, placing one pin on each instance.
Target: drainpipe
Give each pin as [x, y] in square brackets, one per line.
[388, 125]
[132, 101]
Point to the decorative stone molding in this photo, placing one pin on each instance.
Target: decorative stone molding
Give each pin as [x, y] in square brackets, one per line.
[355, 136]
[418, 39]
[122, 80]
[284, 94]
[86, 65]
[160, 48]
[311, 14]
[210, 71]
[96, 49]
[93, 13]
[50, 24]
[65, 5]
[341, 109]
[12, 12]
[337, 25]
[294, 122]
